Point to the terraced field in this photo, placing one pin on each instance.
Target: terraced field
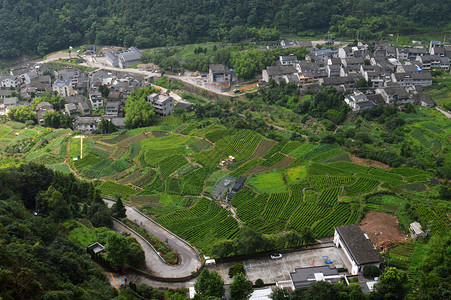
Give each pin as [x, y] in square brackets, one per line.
[169, 170]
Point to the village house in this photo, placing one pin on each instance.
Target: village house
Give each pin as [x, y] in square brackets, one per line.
[409, 79]
[112, 108]
[345, 83]
[41, 109]
[71, 109]
[219, 74]
[63, 88]
[163, 104]
[87, 124]
[410, 53]
[429, 62]
[95, 97]
[358, 101]
[277, 72]
[423, 100]
[9, 103]
[9, 81]
[287, 60]
[5, 94]
[124, 59]
[394, 94]
[356, 246]
[322, 55]
[333, 70]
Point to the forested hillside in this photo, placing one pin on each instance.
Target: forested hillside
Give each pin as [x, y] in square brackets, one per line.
[38, 26]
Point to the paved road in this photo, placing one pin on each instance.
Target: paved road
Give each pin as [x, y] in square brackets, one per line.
[190, 261]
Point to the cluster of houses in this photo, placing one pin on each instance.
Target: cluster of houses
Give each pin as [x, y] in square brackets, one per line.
[391, 74]
[81, 92]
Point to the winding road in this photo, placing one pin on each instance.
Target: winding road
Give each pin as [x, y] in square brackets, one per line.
[190, 258]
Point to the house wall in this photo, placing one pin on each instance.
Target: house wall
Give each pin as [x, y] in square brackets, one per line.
[339, 244]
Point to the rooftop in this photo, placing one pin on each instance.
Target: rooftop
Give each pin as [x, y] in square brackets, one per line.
[357, 244]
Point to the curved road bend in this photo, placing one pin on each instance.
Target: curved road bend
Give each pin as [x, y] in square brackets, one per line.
[190, 261]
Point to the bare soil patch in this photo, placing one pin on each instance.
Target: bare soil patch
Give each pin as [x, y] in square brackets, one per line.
[383, 230]
[369, 163]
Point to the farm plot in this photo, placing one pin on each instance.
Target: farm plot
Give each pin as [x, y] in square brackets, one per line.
[263, 147]
[171, 164]
[219, 134]
[340, 215]
[293, 202]
[273, 160]
[296, 175]
[275, 206]
[275, 149]
[400, 255]
[329, 197]
[306, 215]
[111, 189]
[157, 149]
[241, 146]
[134, 139]
[193, 182]
[362, 186]
[200, 145]
[285, 162]
[243, 169]
[250, 208]
[320, 182]
[434, 216]
[270, 182]
[244, 143]
[202, 225]
[117, 138]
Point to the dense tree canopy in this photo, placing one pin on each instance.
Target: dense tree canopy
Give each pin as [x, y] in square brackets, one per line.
[39, 27]
[139, 112]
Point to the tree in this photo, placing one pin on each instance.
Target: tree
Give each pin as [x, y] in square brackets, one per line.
[209, 284]
[22, 114]
[139, 112]
[118, 209]
[136, 257]
[321, 290]
[259, 283]
[224, 248]
[104, 90]
[118, 250]
[307, 235]
[106, 127]
[236, 269]
[393, 285]
[280, 294]
[56, 119]
[240, 288]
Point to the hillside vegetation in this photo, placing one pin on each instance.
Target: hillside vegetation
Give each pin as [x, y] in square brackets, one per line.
[295, 189]
[37, 26]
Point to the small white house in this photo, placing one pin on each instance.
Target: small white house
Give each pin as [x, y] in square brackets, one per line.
[356, 246]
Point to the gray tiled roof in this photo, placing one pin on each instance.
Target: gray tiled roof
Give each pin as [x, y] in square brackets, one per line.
[358, 246]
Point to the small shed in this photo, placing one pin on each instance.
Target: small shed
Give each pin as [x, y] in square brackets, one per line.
[416, 231]
[96, 247]
[238, 184]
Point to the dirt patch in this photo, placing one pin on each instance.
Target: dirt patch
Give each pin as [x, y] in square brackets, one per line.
[369, 163]
[383, 230]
